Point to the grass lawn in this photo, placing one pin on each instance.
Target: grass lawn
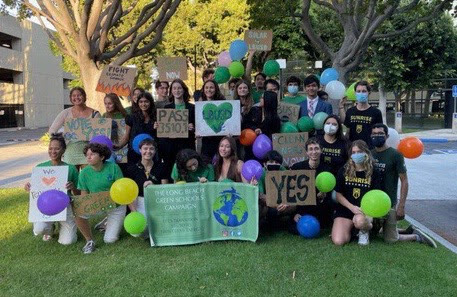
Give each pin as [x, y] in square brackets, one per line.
[31, 267]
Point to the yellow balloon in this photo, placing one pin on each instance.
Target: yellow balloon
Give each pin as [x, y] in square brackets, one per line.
[180, 182]
[124, 191]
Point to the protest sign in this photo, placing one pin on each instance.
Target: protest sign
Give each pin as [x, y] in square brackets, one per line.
[116, 79]
[83, 129]
[288, 112]
[220, 117]
[92, 204]
[173, 123]
[259, 40]
[117, 133]
[292, 187]
[42, 180]
[291, 146]
[198, 212]
[171, 68]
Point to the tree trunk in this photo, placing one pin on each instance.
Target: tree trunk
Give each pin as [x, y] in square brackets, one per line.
[407, 103]
[342, 71]
[89, 76]
[427, 109]
[382, 103]
[412, 101]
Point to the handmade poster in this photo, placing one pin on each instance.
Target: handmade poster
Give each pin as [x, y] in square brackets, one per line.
[288, 112]
[83, 129]
[117, 132]
[92, 204]
[42, 180]
[293, 187]
[117, 79]
[291, 146]
[173, 123]
[171, 68]
[198, 212]
[217, 118]
[259, 40]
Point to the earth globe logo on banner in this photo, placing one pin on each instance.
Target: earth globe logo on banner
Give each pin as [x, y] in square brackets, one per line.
[230, 209]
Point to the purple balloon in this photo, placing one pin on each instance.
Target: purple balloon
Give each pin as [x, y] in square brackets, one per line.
[250, 169]
[262, 145]
[52, 202]
[102, 139]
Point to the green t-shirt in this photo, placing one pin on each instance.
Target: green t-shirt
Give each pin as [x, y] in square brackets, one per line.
[207, 172]
[99, 181]
[256, 95]
[180, 106]
[294, 100]
[72, 171]
[390, 164]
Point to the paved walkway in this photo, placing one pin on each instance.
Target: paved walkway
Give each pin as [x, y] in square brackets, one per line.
[8, 136]
[430, 135]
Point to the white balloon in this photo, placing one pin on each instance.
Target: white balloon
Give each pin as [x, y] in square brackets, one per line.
[335, 90]
[394, 138]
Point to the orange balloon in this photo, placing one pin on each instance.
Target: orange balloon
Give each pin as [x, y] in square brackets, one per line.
[411, 147]
[247, 137]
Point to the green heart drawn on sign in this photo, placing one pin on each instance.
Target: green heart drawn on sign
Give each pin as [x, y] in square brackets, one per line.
[215, 116]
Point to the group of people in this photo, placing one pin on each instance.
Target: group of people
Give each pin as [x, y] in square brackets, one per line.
[360, 159]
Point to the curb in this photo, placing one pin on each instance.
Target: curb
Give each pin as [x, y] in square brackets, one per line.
[435, 140]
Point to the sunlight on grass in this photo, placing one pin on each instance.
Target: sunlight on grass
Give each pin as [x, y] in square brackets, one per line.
[13, 212]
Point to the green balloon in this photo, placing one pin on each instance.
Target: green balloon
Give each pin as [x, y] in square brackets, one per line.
[222, 75]
[375, 204]
[305, 124]
[350, 92]
[135, 223]
[271, 68]
[236, 69]
[325, 182]
[319, 119]
[289, 127]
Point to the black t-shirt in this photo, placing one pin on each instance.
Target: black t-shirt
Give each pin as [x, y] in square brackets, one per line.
[137, 126]
[138, 174]
[304, 165]
[334, 154]
[353, 188]
[360, 122]
[252, 119]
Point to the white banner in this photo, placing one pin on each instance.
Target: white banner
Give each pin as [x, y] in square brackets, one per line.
[218, 118]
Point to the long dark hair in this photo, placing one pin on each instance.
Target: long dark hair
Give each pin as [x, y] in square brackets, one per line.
[339, 133]
[217, 95]
[185, 95]
[181, 159]
[151, 110]
[232, 172]
[270, 107]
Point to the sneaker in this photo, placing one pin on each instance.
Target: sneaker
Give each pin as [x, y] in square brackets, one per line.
[364, 237]
[424, 238]
[89, 247]
[47, 237]
[101, 226]
[408, 230]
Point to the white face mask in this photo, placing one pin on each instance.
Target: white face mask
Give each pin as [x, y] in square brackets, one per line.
[330, 129]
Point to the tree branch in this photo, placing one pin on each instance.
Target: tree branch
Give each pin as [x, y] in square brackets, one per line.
[94, 17]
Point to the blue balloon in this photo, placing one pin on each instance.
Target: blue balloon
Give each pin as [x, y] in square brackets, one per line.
[238, 50]
[328, 75]
[111, 159]
[136, 141]
[308, 226]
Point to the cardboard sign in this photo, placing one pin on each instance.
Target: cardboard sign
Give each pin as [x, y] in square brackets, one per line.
[116, 79]
[92, 204]
[171, 68]
[259, 40]
[117, 133]
[291, 146]
[293, 187]
[173, 123]
[288, 112]
[220, 117]
[83, 129]
[44, 179]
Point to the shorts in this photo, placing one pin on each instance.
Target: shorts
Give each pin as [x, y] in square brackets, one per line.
[389, 226]
[342, 212]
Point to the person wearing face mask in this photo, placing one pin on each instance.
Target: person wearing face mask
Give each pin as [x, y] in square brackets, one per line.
[391, 165]
[293, 85]
[323, 209]
[334, 145]
[360, 118]
[353, 181]
[313, 104]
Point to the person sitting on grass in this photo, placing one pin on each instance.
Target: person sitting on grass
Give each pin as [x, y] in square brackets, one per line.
[67, 232]
[98, 176]
[355, 179]
[391, 165]
[227, 165]
[189, 167]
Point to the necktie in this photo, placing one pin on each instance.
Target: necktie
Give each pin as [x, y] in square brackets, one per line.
[310, 108]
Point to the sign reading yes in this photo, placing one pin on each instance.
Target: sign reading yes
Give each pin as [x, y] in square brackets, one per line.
[292, 187]
[84, 129]
[217, 117]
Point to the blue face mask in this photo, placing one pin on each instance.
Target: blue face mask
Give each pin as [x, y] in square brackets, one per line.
[361, 97]
[292, 89]
[358, 157]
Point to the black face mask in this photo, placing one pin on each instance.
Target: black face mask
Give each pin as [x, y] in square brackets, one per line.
[378, 140]
[273, 167]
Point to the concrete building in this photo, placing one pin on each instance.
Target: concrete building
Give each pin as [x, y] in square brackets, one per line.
[33, 86]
